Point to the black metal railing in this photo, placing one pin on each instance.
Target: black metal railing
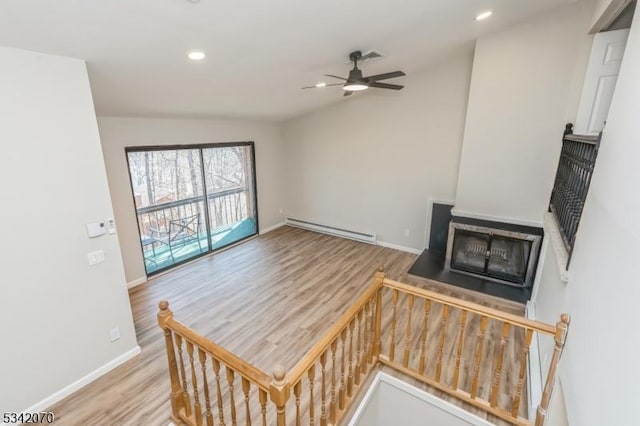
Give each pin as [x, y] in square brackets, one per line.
[226, 208]
[573, 177]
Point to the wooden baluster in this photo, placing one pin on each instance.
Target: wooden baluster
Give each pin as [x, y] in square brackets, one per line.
[323, 389]
[366, 342]
[311, 375]
[232, 398]
[377, 324]
[216, 371]
[279, 391]
[495, 388]
[194, 381]
[425, 332]
[456, 372]
[185, 392]
[407, 332]
[358, 348]
[350, 377]
[246, 387]
[297, 388]
[372, 325]
[343, 336]
[443, 335]
[560, 339]
[262, 395]
[165, 315]
[332, 400]
[392, 343]
[515, 407]
[476, 367]
[207, 397]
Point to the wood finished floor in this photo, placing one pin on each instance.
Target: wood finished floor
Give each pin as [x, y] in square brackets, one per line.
[267, 300]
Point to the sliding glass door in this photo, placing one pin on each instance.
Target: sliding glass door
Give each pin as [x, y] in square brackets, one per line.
[191, 200]
[229, 177]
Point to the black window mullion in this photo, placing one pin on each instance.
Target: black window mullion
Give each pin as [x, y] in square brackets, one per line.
[206, 202]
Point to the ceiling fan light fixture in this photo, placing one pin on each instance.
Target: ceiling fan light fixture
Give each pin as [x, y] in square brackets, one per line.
[355, 87]
[321, 84]
[484, 15]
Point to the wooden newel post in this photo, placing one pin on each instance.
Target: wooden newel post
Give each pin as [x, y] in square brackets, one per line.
[560, 338]
[279, 392]
[377, 345]
[177, 401]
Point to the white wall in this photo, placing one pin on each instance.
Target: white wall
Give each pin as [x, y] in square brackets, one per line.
[390, 401]
[599, 367]
[524, 88]
[56, 309]
[117, 133]
[370, 162]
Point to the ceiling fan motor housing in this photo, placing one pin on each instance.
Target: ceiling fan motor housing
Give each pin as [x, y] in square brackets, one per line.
[355, 75]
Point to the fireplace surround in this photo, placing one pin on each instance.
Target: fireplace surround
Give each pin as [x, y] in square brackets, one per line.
[501, 252]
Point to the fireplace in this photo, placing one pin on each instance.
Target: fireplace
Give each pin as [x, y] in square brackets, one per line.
[501, 252]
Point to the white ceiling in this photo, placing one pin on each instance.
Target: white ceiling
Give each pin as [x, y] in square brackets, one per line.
[259, 52]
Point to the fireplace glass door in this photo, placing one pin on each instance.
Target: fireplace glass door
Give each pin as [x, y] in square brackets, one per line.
[470, 251]
[491, 255]
[508, 258]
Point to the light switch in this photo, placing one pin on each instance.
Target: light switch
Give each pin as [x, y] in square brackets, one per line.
[95, 257]
[111, 225]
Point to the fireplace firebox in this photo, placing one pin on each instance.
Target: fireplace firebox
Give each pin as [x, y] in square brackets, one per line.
[500, 252]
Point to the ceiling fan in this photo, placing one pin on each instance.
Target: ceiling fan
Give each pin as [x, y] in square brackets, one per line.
[357, 82]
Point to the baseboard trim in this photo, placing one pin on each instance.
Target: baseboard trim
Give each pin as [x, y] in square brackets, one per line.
[271, 228]
[82, 382]
[136, 282]
[399, 247]
[458, 212]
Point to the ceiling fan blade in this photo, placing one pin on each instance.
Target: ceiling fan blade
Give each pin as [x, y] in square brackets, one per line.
[385, 76]
[320, 87]
[348, 93]
[335, 76]
[370, 55]
[385, 86]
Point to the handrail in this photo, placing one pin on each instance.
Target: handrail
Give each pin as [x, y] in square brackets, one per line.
[473, 307]
[191, 200]
[245, 369]
[302, 366]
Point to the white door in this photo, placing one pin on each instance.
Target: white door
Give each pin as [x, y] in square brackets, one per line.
[600, 81]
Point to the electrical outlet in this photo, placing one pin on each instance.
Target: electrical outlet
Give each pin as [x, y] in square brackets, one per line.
[406, 232]
[95, 257]
[114, 333]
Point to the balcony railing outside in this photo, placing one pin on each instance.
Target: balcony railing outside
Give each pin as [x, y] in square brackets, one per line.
[229, 216]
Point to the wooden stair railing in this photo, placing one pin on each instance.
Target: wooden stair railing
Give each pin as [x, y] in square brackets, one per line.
[205, 377]
[513, 334]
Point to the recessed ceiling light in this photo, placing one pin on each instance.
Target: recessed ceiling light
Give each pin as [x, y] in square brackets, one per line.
[321, 84]
[196, 55]
[484, 15]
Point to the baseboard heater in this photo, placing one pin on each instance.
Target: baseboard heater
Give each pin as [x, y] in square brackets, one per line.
[331, 230]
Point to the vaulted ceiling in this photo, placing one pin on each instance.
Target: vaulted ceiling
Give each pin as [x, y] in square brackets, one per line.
[259, 53]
